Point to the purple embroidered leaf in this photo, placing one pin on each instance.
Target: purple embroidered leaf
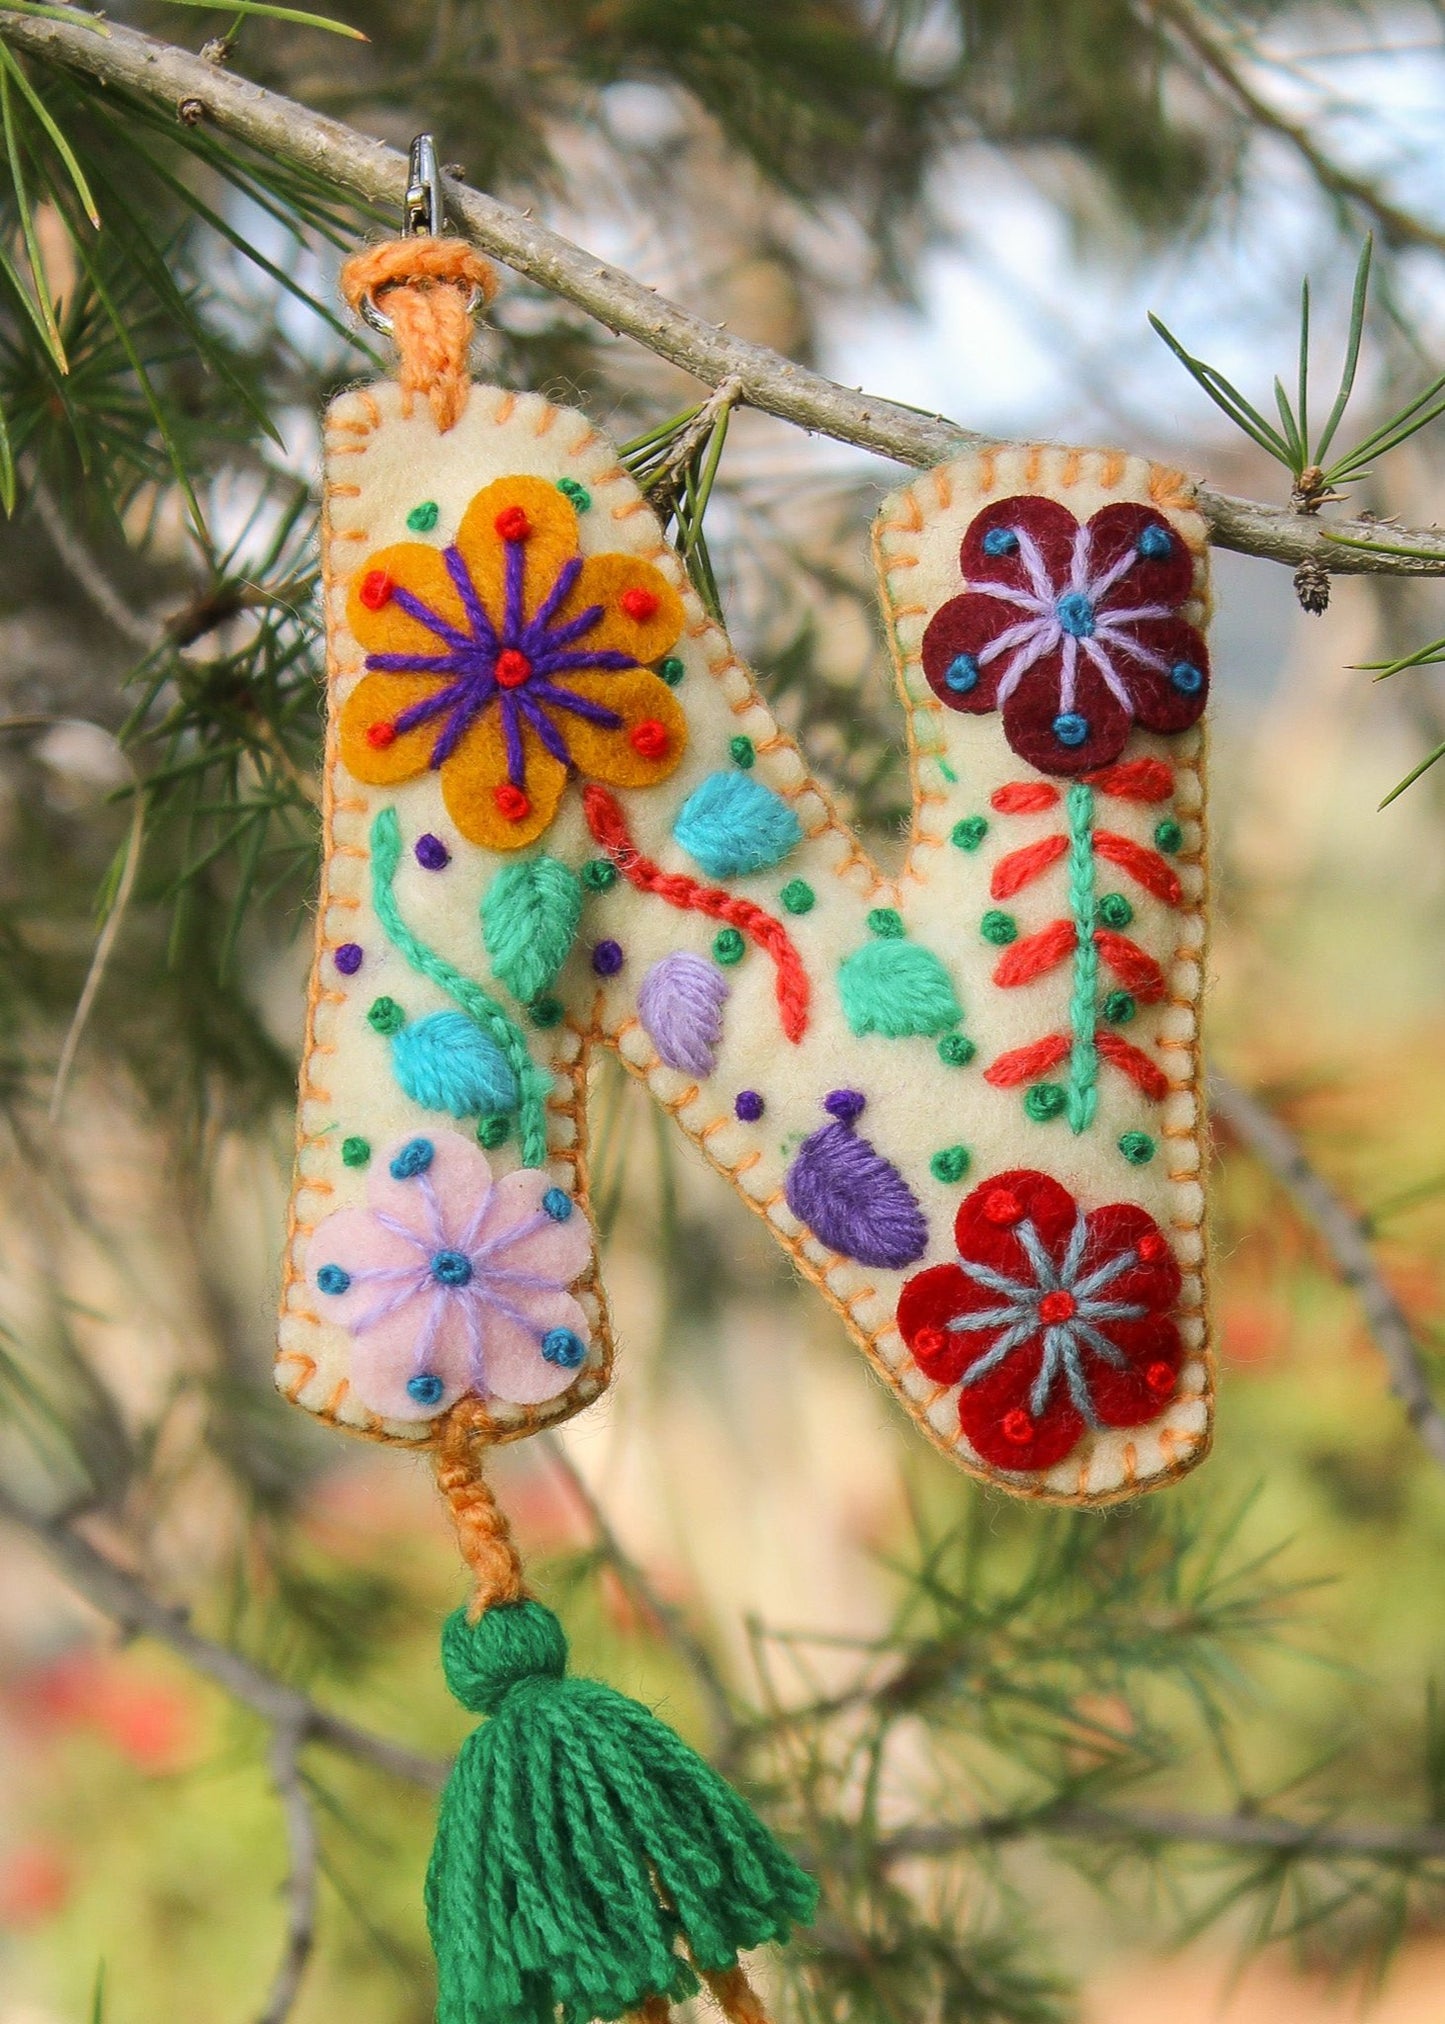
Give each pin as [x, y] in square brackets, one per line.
[681, 1006]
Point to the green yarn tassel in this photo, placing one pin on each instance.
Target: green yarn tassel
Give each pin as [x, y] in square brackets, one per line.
[581, 1844]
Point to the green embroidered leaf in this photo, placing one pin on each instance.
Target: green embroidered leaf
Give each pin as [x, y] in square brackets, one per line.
[896, 988]
[530, 916]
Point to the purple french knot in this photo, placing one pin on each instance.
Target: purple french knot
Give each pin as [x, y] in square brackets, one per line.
[845, 1104]
[348, 958]
[749, 1106]
[431, 853]
[607, 958]
[852, 1199]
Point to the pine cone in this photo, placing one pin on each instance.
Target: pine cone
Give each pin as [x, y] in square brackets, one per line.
[1312, 586]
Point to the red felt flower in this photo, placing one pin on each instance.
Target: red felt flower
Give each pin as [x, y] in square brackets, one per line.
[1072, 632]
[1055, 1319]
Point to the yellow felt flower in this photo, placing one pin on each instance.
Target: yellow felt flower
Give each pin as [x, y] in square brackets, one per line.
[507, 661]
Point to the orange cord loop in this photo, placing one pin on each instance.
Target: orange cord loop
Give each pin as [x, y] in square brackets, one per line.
[430, 288]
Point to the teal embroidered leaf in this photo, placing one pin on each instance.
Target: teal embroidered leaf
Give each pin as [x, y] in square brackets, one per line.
[898, 989]
[733, 825]
[530, 915]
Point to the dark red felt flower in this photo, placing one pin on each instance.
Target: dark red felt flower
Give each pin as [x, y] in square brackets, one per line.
[1055, 1318]
[1072, 632]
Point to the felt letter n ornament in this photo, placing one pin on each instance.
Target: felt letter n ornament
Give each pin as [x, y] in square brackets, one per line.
[965, 1099]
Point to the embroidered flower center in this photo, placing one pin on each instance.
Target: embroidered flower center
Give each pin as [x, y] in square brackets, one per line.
[451, 1268]
[1056, 1307]
[513, 668]
[1075, 614]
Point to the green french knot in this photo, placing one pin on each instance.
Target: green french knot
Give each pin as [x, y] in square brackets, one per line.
[423, 518]
[1115, 911]
[492, 1131]
[1045, 1100]
[355, 1152]
[728, 945]
[886, 921]
[533, 1084]
[530, 915]
[956, 1050]
[798, 896]
[671, 670]
[1137, 1148]
[1119, 1008]
[546, 1011]
[579, 495]
[970, 833]
[1169, 836]
[386, 1016]
[951, 1164]
[599, 874]
[897, 989]
[999, 927]
[743, 751]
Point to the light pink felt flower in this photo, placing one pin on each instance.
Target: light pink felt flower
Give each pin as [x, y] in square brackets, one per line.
[453, 1282]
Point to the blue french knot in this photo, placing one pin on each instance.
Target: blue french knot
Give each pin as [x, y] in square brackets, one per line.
[1186, 678]
[1071, 728]
[557, 1204]
[451, 1268]
[1076, 614]
[1000, 541]
[333, 1279]
[962, 674]
[1155, 543]
[426, 1389]
[563, 1346]
[413, 1159]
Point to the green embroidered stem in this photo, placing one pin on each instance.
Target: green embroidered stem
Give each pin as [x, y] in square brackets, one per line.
[1083, 1091]
[533, 1085]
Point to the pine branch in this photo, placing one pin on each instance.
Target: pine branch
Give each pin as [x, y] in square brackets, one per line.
[1346, 1237]
[1152, 1826]
[1397, 226]
[133, 1609]
[302, 1877]
[197, 91]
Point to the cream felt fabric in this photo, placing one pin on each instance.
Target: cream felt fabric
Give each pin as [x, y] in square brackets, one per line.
[381, 463]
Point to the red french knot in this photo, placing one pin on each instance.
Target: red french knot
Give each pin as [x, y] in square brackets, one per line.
[1146, 867]
[929, 1342]
[609, 826]
[379, 736]
[513, 668]
[376, 589]
[1024, 797]
[1003, 1207]
[1057, 1306]
[512, 524]
[1035, 954]
[639, 604]
[649, 738]
[511, 802]
[1027, 1064]
[1135, 780]
[1141, 1071]
[1152, 1247]
[1160, 1377]
[1016, 1426]
[1021, 867]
